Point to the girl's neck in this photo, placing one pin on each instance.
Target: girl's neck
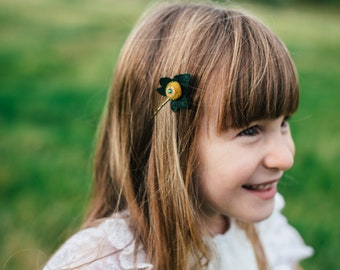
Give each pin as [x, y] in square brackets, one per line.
[216, 225]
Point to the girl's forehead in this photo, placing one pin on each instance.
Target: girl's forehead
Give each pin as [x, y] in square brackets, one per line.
[225, 108]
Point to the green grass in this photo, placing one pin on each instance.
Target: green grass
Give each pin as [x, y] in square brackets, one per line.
[56, 62]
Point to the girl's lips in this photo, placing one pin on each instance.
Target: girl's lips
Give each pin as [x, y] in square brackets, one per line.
[264, 191]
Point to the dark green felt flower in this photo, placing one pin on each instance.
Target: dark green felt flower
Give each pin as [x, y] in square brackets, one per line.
[176, 90]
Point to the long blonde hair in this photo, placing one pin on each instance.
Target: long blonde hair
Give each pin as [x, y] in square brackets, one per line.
[147, 164]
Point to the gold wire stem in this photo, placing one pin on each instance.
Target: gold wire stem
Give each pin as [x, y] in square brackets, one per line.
[161, 106]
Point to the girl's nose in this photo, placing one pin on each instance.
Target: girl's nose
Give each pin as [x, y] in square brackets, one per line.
[280, 154]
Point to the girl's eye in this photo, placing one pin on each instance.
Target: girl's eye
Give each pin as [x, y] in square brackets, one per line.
[251, 131]
[285, 123]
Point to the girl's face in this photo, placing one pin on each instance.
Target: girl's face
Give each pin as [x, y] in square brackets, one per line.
[239, 169]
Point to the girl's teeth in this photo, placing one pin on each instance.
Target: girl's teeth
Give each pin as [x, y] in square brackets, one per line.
[258, 187]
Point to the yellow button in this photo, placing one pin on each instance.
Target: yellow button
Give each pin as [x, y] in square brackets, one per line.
[173, 90]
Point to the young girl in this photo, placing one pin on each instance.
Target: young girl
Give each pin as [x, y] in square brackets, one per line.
[193, 143]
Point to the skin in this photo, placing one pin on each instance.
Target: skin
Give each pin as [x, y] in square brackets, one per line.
[258, 154]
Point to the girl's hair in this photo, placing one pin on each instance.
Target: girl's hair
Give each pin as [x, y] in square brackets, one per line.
[147, 164]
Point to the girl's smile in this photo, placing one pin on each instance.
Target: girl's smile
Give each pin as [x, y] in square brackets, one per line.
[239, 169]
[264, 191]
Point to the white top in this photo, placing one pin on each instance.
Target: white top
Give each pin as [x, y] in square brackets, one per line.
[110, 245]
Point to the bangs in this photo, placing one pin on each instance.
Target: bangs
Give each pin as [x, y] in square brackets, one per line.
[259, 83]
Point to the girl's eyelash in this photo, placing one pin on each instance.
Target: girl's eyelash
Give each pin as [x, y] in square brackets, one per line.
[254, 130]
[285, 121]
[251, 131]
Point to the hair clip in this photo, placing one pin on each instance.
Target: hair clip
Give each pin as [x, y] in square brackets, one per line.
[176, 90]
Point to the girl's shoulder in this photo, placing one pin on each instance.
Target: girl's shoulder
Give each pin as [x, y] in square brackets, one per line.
[109, 245]
[282, 243]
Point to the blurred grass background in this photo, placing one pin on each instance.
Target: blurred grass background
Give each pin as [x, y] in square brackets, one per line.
[56, 61]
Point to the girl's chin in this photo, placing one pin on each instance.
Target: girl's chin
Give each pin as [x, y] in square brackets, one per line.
[262, 218]
[259, 214]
